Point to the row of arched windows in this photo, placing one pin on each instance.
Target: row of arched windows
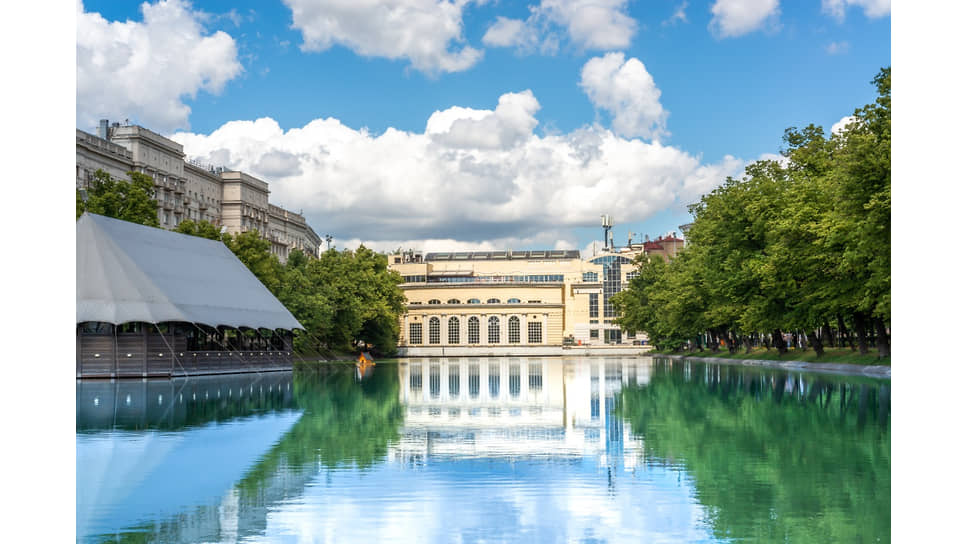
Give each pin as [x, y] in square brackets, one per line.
[474, 331]
[477, 301]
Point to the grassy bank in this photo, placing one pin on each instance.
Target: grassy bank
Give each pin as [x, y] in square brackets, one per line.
[830, 355]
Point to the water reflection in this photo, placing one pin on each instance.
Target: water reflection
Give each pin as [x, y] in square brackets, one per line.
[507, 449]
[774, 455]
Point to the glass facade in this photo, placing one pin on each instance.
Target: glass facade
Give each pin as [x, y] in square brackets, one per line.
[612, 279]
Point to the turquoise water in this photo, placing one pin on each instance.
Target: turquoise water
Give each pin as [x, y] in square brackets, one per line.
[487, 450]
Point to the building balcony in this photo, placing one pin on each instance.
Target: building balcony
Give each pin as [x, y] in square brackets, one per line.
[167, 204]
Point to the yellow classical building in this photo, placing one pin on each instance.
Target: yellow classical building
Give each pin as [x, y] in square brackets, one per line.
[511, 302]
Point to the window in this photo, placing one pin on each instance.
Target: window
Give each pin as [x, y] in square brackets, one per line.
[535, 377]
[453, 301]
[534, 302]
[433, 301]
[631, 275]
[493, 330]
[593, 333]
[474, 380]
[514, 330]
[453, 381]
[474, 301]
[514, 380]
[494, 380]
[493, 301]
[435, 381]
[514, 301]
[416, 333]
[631, 334]
[593, 305]
[534, 332]
[590, 277]
[453, 331]
[416, 377]
[434, 330]
[473, 331]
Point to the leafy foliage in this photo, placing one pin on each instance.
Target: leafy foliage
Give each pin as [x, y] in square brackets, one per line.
[127, 200]
[793, 245]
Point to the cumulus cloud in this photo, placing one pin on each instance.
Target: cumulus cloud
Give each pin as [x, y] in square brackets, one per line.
[626, 90]
[732, 18]
[146, 70]
[588, 24]
[473, 179]
[839, 126]
[428, 33]
[872, 8]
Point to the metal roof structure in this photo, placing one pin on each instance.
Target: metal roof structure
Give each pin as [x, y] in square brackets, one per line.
[128, 272]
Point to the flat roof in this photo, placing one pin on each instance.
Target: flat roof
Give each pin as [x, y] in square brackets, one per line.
[503, 255]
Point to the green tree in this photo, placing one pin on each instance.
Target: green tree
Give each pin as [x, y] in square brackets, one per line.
[254, 251]
[202, 229]
[127, 200]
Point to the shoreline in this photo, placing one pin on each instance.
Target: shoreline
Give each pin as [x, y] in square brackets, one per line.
[869, 371]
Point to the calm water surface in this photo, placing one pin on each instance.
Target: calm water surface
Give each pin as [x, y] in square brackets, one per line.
[487, 449]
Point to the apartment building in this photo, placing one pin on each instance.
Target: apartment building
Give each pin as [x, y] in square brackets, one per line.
[185, 190]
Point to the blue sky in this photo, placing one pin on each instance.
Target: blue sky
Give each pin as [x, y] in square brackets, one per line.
[630, 108]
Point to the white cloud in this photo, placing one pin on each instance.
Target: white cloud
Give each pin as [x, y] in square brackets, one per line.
[678, 16]
[625, 89]
[428, 33]
[732, 18]
[145, 70]
[589, 24]
[839, 126]
[837, 48]
[473, 179]
[872, 8]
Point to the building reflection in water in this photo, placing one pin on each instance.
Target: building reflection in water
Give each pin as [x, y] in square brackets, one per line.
[528, 407]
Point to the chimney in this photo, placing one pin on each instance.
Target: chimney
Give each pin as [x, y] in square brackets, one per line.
[102, 129]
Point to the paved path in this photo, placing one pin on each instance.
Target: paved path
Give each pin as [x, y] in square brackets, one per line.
[871, 371]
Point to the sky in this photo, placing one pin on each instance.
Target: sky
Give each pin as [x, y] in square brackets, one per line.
[480, 124]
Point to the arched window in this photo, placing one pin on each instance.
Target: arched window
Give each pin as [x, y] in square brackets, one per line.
[474, 301]
[473, 331]
[493, 330]
[453, 330]
[453, 301]
[434, 330]
[433, 301]
[514, 301]
[514, 330]
[493, 301]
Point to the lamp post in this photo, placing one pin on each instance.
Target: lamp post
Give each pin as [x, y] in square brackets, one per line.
[329, 238]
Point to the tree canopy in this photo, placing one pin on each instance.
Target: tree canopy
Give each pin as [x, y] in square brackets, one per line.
[794, 245]
[121, 199]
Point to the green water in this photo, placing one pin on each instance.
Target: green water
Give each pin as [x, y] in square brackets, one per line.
[487, 449]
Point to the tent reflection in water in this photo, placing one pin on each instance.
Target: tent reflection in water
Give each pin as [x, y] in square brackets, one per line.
[151, 302]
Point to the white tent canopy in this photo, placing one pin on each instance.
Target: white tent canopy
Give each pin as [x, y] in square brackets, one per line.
[129, 272]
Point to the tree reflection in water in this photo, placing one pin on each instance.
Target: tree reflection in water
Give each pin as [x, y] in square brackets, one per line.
[775, 456]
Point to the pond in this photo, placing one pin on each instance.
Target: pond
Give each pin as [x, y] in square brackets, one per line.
[585, 449]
